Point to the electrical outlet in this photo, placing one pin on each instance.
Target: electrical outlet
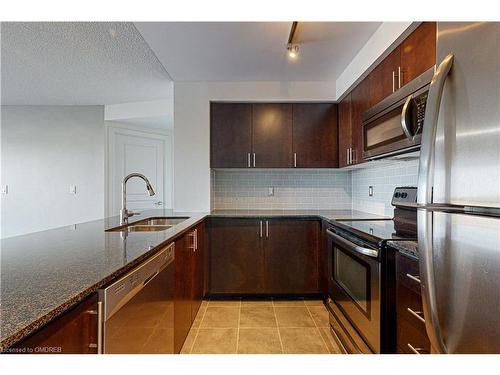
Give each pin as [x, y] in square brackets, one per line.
[370, 191]
[270, 192]
[72, 189]
[5, 189]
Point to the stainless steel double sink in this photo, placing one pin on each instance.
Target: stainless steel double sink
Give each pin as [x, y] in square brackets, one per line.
[152, 224]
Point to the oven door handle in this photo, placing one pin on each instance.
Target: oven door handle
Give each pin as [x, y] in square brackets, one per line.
[372, 253]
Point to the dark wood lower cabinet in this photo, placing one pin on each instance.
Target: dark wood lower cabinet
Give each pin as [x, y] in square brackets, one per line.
[411, 336]
[74, 332]
[291, 256]
[236, 256]
[189, 282]
[263, 256]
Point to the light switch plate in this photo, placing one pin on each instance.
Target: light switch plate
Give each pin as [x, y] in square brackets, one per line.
[72, 189]
[370, 191]
[5, 189]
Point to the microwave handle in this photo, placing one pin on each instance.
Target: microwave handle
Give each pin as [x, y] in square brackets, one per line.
[405, 119]
[351, 246]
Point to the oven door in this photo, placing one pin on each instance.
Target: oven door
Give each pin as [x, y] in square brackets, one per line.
[354, 288]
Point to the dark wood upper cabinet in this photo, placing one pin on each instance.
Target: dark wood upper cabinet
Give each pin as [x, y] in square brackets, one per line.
[291, 249]
[360, 101]
[315, 138]
[230, 135]
[418, 52]
[236, 262]
[74, 332]
[272, 135]
[345, 131]
[384, 79]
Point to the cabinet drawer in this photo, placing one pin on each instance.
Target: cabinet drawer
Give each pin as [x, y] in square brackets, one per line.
[407, 272]
[416, 337]
[409, 306]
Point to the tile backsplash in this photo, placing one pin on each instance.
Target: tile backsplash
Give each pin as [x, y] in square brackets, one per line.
[293, 189]
[313, 189]
[384, 179]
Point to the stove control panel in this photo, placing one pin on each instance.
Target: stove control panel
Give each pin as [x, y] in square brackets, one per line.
[405, 196]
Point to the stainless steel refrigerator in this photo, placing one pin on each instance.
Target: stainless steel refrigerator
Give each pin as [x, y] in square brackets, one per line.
[459, 192]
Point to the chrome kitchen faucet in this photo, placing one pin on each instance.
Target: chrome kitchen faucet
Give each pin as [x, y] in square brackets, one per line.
[124, 213]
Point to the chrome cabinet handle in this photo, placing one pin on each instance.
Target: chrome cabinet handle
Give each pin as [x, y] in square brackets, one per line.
[260, 223]
[249, 163]
[295, 160]
[372, 253]
[399, 77]
[254, 159]
[414, 278]
[353, 156]
[414, 350]
[405, 120]
[424, 197]
[393, 81]
[267, 229]
[99, 327]
[416, 314]
[347, 157]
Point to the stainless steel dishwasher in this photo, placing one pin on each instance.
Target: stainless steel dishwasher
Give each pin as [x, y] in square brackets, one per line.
[137, 310]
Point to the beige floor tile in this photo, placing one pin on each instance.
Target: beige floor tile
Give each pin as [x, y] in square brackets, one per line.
[224, 303]
[188, 343]
[296, 303]
[221, 317]
[320, 315]
[314, 302]
[293, 317]
[259, 341]
[302, 341]
[215, 341]
[330, 341]
[257, 317]
[259, 303]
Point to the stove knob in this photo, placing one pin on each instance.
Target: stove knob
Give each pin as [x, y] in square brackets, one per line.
[404, 195]
[397, 195]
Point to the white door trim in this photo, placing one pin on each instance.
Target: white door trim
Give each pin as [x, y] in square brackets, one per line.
[112, 130]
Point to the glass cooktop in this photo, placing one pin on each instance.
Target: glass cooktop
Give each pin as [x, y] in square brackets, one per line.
[376, 229]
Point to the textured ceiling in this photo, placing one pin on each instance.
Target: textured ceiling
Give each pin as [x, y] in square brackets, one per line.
[255, 51]
[74, 63]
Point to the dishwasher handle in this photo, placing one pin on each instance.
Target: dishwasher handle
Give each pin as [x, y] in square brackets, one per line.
[116, 295]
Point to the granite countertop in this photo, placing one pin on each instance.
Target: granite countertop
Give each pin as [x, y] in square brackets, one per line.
[409, 248]
[45, 273]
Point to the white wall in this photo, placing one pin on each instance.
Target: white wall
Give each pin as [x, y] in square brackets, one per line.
[44, 150]
[192, 123]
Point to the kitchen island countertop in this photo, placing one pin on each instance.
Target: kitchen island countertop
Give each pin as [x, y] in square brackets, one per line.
[44, 274]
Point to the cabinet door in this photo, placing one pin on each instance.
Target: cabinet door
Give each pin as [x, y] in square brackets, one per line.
[230, 135]
[74, 332]
[272, 135]
[183, 287]
[384, 79]
[345, 130]
[236, 256]
[291, 256]
[360, 103]
[197, 262]
[315, 135]
[418, 51]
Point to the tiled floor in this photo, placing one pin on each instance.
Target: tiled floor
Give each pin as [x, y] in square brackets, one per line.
[260, 327]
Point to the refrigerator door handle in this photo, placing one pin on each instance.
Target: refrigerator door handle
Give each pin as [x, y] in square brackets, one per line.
[426, 162]
[424, 198]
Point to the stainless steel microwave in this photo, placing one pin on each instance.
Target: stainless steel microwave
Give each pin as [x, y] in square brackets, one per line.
[394, 125]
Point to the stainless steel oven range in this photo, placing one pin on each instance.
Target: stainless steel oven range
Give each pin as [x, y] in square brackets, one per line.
[361, 276]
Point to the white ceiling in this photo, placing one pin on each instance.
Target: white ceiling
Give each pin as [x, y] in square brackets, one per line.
[72, 63]
[255, 51]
